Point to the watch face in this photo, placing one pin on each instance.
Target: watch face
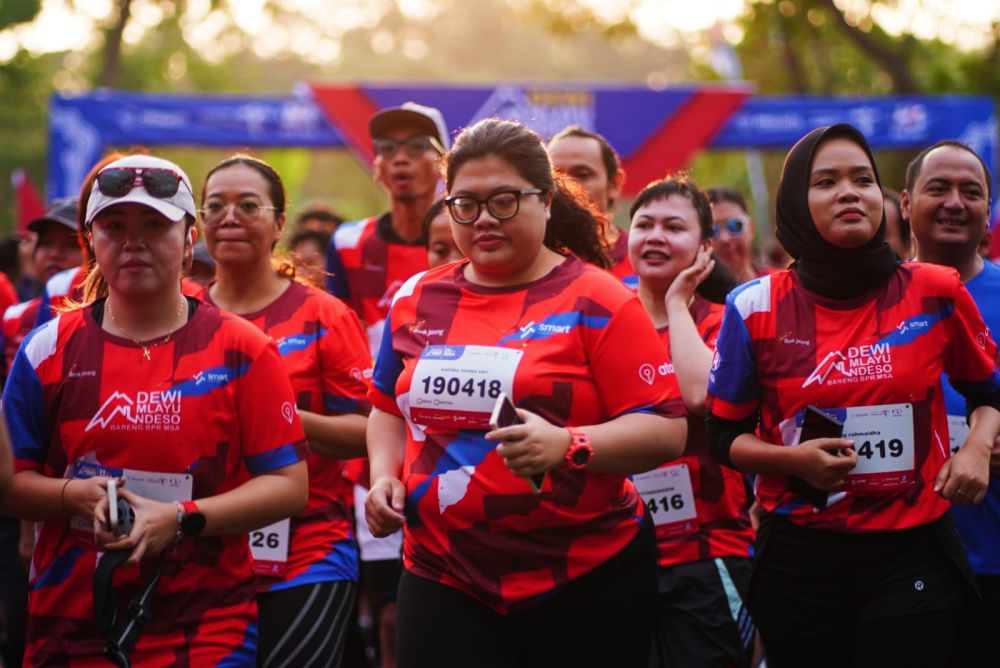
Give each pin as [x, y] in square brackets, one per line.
[581, 456]
[193, 524]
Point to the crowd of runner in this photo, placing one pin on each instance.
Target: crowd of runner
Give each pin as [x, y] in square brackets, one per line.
[233, 451]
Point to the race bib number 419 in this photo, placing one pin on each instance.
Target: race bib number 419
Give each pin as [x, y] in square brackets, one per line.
[883, 439]
[456, 387]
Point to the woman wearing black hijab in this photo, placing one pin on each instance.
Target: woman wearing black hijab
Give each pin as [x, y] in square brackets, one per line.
[857, 562]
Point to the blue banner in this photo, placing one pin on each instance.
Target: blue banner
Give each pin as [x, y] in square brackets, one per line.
[82, 127]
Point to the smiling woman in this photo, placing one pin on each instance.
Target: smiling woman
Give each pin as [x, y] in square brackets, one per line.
[175, 402]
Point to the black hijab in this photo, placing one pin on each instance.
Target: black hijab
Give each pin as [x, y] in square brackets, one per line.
[837, 273]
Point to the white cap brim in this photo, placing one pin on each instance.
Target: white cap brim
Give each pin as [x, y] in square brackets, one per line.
[173, 208]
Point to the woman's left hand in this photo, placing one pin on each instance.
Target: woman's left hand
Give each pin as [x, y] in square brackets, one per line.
[682, 289]
[154, 529]
[533, 447]
[966, 475]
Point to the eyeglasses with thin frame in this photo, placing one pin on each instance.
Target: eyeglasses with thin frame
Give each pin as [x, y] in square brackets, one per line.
[502, 205]
[247, 211]
[734, 226]
[158, 182]
[414, 146]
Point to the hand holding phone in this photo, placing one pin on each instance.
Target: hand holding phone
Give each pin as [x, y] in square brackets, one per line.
[504, 415]
[121, 515]
[815, 424]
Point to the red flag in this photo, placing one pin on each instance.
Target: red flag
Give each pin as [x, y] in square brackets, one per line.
[27, 200]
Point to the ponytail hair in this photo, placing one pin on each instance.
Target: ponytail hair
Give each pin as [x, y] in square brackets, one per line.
[574, 226]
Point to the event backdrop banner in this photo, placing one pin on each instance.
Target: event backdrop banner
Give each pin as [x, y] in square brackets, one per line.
[654, 131]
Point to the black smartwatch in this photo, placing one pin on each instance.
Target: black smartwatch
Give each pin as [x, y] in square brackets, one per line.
[190, 520]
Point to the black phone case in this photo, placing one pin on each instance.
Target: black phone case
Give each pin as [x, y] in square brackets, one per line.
[816, 424]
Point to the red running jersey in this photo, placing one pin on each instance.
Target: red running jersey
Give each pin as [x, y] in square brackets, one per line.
[875, 363]
[18, 320]
[366, 263]
[325, 354]
[700, 508]
[575, 347]
[213, 402]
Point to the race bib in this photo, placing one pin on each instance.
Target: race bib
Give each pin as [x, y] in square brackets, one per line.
[269, 547]
[883, 439]
[165, 487]
[669, 498]
[456, 387]
[958, 431]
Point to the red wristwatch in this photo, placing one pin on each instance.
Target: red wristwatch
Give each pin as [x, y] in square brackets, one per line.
[580, 452]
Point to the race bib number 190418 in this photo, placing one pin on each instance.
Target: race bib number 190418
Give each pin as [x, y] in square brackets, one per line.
[456, 387]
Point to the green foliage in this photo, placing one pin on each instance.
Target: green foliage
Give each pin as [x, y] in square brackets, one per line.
[18, 11]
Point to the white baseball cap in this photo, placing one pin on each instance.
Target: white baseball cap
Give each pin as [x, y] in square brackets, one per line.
[174, 207]
[429, 119]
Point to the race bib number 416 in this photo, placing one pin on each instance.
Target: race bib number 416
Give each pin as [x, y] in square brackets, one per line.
[456, 387]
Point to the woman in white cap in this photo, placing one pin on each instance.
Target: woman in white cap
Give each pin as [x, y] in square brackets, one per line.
[173, 401]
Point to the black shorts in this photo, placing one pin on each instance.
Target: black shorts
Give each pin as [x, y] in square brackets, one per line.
[822, 598]
[700, 616]
[602, 618]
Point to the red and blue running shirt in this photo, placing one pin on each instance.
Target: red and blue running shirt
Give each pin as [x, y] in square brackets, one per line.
[366, 262]
[874, 362]
[325, 354]
[59, 290]
[18, 320]
[212, 404]
[575, 347]
[700, 508]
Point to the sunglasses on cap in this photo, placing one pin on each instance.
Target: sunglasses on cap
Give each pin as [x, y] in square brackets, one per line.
[158, 182]
[734, 226]
[415, 146]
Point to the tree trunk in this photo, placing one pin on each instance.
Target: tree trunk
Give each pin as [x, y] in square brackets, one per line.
[894, 64]
[111, 67]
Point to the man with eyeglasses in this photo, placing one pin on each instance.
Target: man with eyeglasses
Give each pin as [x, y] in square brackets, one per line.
[947, 201]
[367, 260]
[732, 233]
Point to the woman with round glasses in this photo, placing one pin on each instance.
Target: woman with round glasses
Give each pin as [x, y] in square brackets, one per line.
[308, 564]
[525, 544]
[176, 402]
[827, 385]
[699, 507]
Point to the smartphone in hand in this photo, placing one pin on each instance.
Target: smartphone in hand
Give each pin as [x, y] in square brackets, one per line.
[113, 520]
[815, 424]
[505, 415]
[121, 515]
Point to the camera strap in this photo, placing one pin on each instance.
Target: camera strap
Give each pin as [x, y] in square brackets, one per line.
[121, 631]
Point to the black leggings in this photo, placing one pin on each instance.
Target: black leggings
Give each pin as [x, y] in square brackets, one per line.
[306, 625]
[603, 618]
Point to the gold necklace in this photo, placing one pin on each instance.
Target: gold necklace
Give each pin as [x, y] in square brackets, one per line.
[145, 348]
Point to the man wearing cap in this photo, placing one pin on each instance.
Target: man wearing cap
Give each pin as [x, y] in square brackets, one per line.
[57, 248]
[367, 260]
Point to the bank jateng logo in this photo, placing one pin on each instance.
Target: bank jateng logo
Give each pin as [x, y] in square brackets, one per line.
[856, 364]
[141, 411]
